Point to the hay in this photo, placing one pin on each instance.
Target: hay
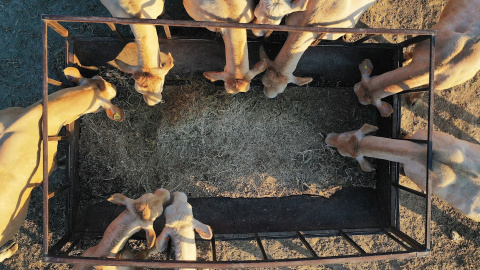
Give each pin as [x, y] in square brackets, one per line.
[205, 142]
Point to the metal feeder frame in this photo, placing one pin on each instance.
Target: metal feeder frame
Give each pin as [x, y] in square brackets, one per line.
[412, 247]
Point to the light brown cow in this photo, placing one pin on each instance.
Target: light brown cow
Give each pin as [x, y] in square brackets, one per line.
[457, 54]
[456, 164]
[139, 215]
[320, 13]
[21, 166]
[180, 227]
[149, 74]
[237, 74]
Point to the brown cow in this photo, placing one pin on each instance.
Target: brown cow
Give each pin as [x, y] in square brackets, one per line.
[456, 164]
[457, 54]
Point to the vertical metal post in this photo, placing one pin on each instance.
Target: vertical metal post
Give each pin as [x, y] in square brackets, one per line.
[395, 166]
[214, 249]
[428, 183]
[45, 134]
[73, 130]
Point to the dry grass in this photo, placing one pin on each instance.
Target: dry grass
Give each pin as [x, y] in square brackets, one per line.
[207, 143]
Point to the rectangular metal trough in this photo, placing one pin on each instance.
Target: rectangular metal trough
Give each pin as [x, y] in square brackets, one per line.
[350, 211]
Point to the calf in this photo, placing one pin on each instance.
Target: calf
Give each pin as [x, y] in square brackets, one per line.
[457, 54]
[140, 214]
[180, 226]
[149, 74]
[21, 166]
[320, 13]
[456, 164]
[236, 75]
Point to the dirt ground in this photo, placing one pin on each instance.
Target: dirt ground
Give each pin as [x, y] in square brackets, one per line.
[455, 238]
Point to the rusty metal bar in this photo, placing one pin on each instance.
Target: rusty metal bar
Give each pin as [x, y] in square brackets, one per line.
[72, 246]
[260, 246]
[60, 244]
[58, 28]
[167, 31]
[307, 245]
[214, 250]
[350, 240]
[413, 40]
[236, 264]
[428, 183]
[269, 32]
[190, 23]
[389, 235]
[60, 189]
[412, 242]
[54, 82]
[45, 135]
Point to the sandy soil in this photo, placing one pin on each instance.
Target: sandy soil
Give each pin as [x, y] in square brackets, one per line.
[456, 239]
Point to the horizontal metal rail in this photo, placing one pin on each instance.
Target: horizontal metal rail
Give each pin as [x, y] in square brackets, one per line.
[418, 193]
[191, 23]
[413, 91]
[413, 40]
[236, 264]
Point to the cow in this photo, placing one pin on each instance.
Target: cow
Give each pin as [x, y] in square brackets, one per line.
[180, 227]
[149, 73]
[237, 74]
[455, 163]
[320, 13]
[457, 54]
[21, 166]
[139, 215]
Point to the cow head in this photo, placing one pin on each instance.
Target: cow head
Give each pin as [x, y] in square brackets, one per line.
[234, 84]
[148, 81]
[366, 95]
[274, 81]
[348, 144]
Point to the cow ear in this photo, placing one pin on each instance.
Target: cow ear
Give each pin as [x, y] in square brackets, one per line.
[301, 80]
[203, 230]
[162, 240]
[73, 74]
[119, 199]
[168, 64]
[366, 68]
[214, 75]
[367, 128]
[365, 165]
[385, 109]
[113, 112]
